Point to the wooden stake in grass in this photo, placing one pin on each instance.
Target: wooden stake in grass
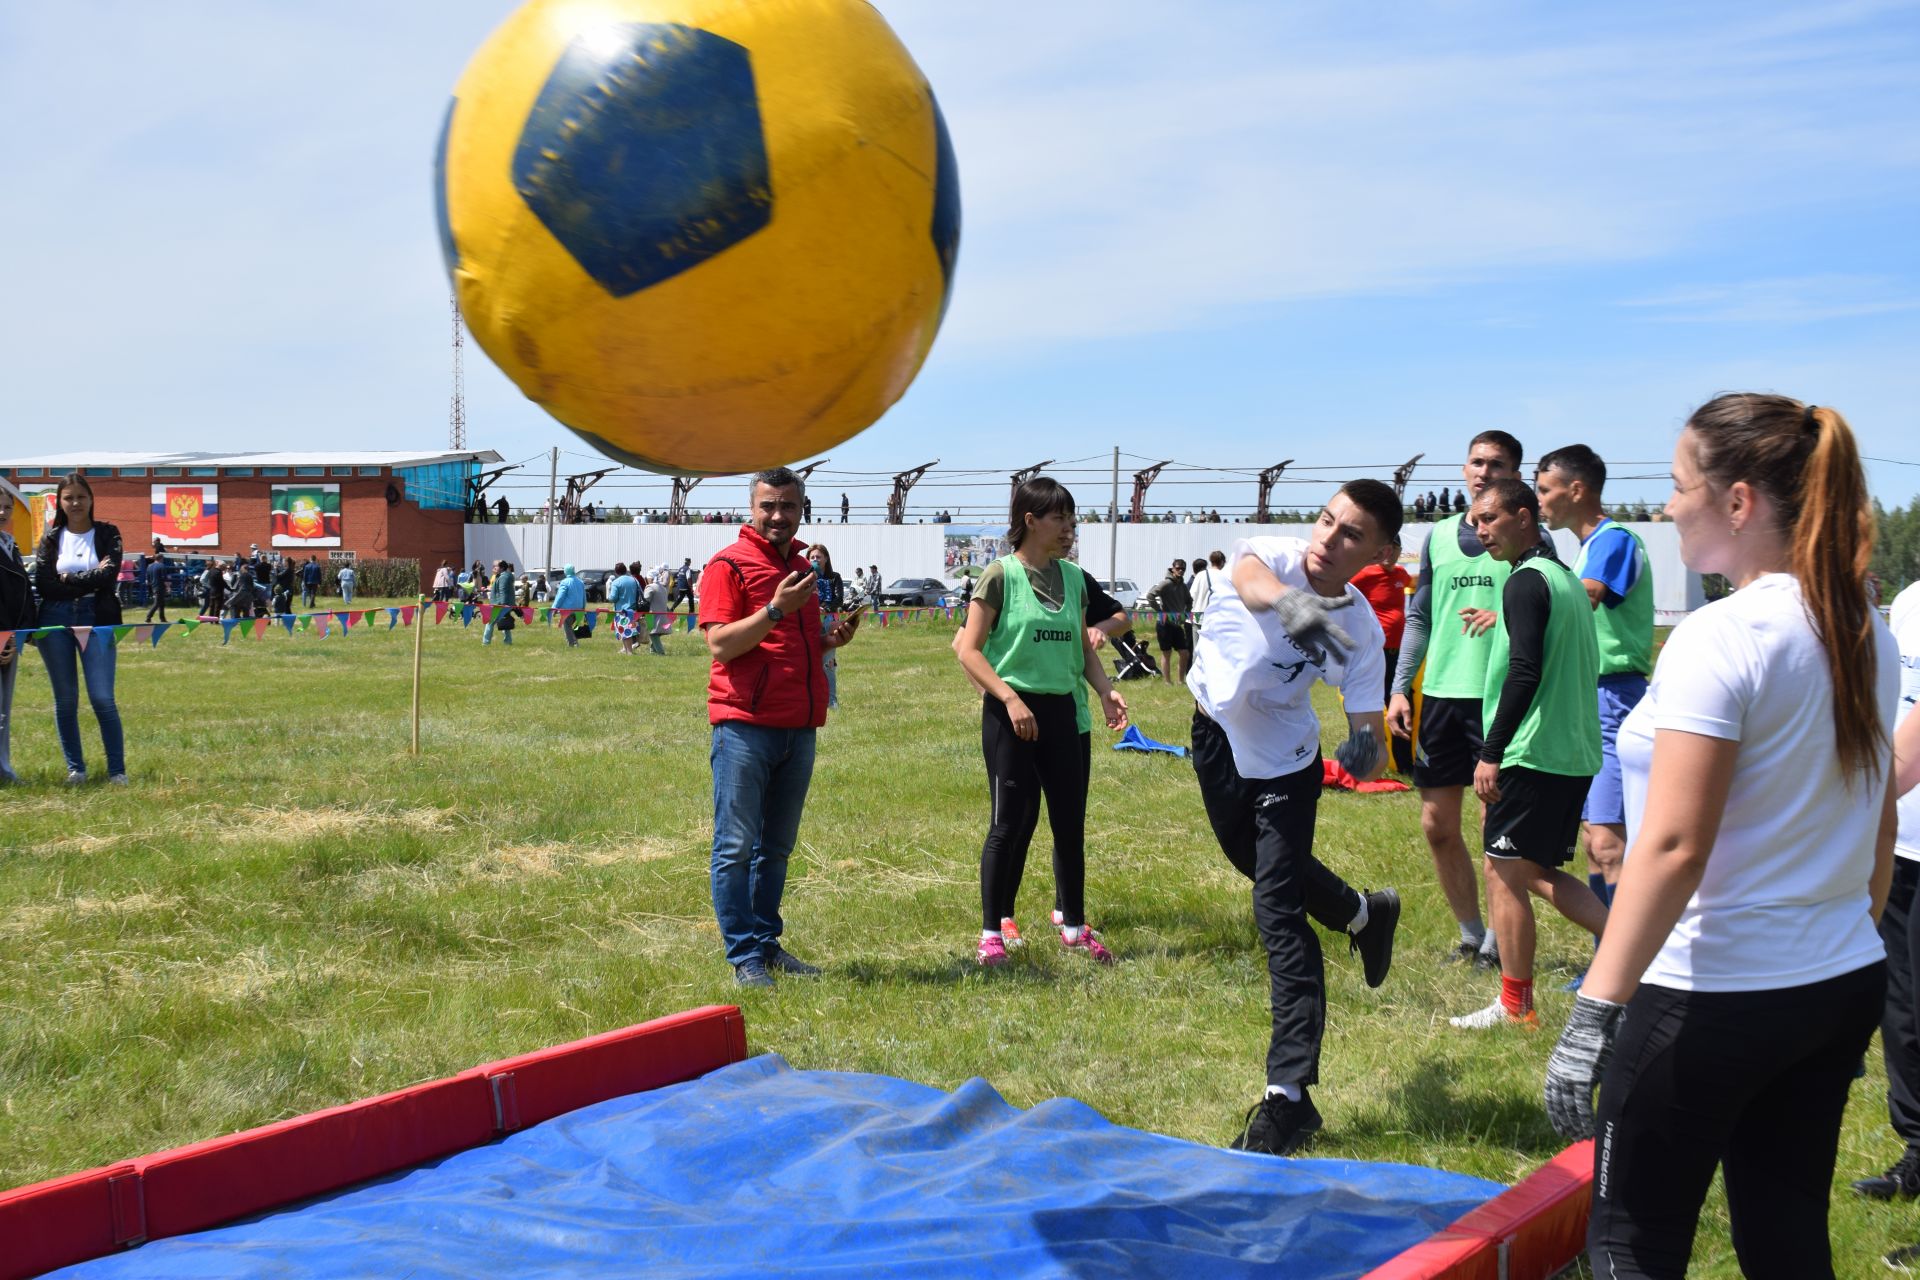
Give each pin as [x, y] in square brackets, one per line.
[419, 631]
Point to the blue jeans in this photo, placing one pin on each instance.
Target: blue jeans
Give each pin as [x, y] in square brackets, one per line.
[62, 654]
[760, 778]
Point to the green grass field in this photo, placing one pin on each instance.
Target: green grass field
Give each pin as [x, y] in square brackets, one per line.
[287, 911]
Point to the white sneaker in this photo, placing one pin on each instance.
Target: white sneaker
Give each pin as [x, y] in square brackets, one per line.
[76, 777]
[1494, 1015]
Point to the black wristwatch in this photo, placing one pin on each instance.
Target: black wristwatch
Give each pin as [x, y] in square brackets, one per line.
[775, 612]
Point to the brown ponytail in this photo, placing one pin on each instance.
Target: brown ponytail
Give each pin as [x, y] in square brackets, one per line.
[1806, 461]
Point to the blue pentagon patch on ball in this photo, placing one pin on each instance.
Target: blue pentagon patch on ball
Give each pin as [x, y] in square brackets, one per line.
[644, 155]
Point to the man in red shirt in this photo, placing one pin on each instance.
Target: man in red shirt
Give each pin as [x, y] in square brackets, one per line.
[1385, 587]
[766, 694]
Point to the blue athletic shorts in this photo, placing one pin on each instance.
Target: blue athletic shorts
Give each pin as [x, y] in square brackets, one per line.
[1606, 803]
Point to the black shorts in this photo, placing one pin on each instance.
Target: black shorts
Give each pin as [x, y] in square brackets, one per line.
[1537, 817]
[1173, 637]
[1450, 742]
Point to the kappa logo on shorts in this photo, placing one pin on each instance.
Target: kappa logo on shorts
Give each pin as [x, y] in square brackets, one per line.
[1504, 844]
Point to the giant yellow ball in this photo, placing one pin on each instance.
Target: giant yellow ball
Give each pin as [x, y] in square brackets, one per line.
[709, 236]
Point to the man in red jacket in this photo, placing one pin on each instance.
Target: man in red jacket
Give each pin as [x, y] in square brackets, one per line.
[766, 695]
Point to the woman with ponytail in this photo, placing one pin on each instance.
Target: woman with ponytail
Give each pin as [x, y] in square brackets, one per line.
[1025, 647]
[1741, 974]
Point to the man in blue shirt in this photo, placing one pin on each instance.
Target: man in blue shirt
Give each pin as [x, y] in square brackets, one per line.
[1614, 569]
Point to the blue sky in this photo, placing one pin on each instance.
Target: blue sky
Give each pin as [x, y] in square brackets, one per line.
[1224, 233]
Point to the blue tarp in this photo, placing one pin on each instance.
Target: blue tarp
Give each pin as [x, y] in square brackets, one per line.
[761, 1170]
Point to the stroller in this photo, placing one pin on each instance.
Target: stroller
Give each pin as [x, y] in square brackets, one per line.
[1131, 661]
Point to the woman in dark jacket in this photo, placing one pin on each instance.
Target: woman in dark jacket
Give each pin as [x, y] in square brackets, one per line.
[832, 589]
[213, 589]
[17, 613]
[76, 567]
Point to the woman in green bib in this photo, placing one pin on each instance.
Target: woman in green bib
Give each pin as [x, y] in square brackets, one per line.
[1025, 646]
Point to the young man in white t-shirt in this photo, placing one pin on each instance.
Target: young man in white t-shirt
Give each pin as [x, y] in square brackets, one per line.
[1281, 617]
[1900, 931]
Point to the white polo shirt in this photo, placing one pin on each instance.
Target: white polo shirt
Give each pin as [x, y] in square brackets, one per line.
[1905, 621]
[1785, 899]
[1255, 682]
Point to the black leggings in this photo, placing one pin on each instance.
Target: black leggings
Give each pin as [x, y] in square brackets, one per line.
[1057, 765]
[1751, 1081]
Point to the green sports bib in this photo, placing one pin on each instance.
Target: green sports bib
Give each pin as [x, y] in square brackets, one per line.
[1561, 730]
[1456, 663]
[1036, 649]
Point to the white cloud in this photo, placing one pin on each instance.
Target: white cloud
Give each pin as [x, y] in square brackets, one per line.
[1785, 301]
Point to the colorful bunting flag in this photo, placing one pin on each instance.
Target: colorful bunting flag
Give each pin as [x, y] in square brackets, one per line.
[159, 631]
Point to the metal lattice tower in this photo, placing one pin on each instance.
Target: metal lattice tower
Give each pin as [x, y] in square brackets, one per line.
[457, 410]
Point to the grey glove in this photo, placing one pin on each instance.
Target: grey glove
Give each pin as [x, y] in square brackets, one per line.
[1305, 616]
[1359, 755]
[1578, 1062]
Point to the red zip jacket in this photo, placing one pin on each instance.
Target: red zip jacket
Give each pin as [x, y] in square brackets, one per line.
[779, 682]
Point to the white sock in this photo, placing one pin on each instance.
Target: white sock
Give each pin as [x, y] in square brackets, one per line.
[989, 933]
[1359, 920]
[1071, 932]
[1291, 1091]
[1472, 931]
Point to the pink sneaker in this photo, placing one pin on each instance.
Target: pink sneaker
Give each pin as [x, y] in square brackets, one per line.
[1010, 933]
[991, 952]
[1089, 942]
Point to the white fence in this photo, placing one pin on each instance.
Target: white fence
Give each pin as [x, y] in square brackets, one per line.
[1140, 552]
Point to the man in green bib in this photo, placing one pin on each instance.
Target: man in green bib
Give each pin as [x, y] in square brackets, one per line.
[1542, 744]
[1614, 569]
[1449, 620]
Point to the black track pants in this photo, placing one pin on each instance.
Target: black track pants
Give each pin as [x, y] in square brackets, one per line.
[1055, 765]
[1751, 1081]
[1900, 1024]
[1265, 827]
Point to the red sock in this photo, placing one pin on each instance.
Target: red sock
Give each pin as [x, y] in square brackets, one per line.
[1517, 995]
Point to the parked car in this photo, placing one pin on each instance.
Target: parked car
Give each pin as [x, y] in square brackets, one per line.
[596, 580]
[1124, 590]
[910, 592]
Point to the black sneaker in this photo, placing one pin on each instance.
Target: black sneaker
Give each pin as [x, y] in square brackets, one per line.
[1905, 1259]
[1279, 1127]
[752, 972]
[1375, 941]
[781, 960]
[1488, 958]
[1902, 1181]
[1465, 953]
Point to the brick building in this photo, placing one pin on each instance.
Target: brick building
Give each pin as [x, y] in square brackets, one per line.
[390, 506]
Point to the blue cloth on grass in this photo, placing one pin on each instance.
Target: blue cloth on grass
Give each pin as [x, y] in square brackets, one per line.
[758, 1170]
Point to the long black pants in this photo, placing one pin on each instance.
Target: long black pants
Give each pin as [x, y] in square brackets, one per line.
[1055, 765]
[1265, 827]
[1900, 1023]
[1751, 1081]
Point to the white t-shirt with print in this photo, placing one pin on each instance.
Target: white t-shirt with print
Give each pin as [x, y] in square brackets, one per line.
[1255, 682]
[1785, 898]
[1905, 621]
[76, 553]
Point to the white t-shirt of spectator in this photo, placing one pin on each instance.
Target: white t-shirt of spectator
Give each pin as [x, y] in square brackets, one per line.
[1905, 620]
[77, 554]
[1251, 677]
[1785, 898]
[1204, 579]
